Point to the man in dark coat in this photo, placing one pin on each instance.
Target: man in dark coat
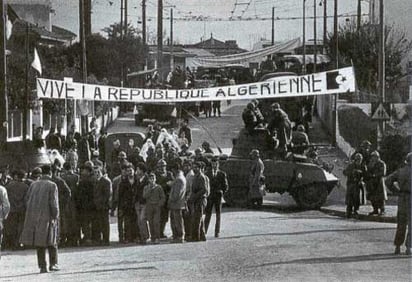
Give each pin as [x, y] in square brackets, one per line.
[102, 197]
[16, 190]
[72, 180]
[375, 184]
[126, 208]
[198, 201]
[218, 186]
[85, 203]
[41, 222]
[140, 203]
[402, 177]
[163, 178]
[354, 173]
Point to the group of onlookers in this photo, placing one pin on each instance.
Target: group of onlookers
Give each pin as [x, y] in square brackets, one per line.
[367, 180]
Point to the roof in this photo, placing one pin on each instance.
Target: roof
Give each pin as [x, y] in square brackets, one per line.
[198, 52]
[43, 33]
[64, 33]
[213, 43]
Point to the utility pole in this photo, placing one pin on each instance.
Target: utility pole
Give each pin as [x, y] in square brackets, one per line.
[359, 14]
[381, 74]
[144, 32]
[88, 17]
[144, 22]
[335, 96]
[83, 62]
[325, 24]
[315, 51]
[273, 26]
[125, 16]
[121, 19]
[83, 59]
[304, 37]
[3, 80]
[160, 38]
[171, 40]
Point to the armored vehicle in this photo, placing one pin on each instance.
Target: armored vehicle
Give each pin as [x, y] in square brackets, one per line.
[307, 182]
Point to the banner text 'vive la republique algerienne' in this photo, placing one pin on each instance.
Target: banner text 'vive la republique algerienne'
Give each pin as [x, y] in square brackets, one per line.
[323, 83]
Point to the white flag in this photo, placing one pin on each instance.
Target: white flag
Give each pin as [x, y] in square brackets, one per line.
[36, 64]
[9, 27]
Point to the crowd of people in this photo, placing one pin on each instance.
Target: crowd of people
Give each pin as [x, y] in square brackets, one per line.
[69, 201]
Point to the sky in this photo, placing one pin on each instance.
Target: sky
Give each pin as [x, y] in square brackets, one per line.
[246, 33]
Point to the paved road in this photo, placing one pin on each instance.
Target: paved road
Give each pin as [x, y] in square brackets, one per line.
[254, 246]
[279, 243]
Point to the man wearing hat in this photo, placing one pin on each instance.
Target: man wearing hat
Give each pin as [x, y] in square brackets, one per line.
[375, 184]
[256, 172]
[354, 173]
[218, 186]
[402, 177]
[41, 222]
[364, 150]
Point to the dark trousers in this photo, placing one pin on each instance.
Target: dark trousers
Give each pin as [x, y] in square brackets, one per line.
[216, 108]
[214, 201]
[404, 217]
[198, 225]
[86, 222]
[101, 227]
[187, 221]
[164, 217]
[120, 226]
[176, 222]
[41, 256]
[130, 228]
[378, 204]
[13, 228]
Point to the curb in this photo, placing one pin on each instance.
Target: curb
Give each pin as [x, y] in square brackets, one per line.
[361, 216]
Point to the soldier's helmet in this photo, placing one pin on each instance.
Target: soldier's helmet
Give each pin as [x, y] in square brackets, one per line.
[365, 144]
[375, 154]
[300, 128]
[358, 157]
[408, 158]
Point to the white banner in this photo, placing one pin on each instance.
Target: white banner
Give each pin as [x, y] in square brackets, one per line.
[324, 83]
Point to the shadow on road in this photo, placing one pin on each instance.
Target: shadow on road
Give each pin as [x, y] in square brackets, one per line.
[328, 260]
[308, 232]
[85, 272]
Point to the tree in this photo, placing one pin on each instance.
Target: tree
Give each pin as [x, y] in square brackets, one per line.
[361, 48]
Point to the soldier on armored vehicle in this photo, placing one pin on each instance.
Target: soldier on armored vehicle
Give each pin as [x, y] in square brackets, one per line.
[308, 183]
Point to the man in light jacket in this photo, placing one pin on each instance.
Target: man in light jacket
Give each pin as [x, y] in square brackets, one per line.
[177, 203]
[41, 223]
